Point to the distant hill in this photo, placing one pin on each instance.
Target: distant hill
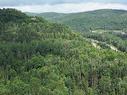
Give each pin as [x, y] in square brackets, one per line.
[104, 19]
[48, 15]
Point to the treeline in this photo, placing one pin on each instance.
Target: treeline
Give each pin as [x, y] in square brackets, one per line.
[42, 58]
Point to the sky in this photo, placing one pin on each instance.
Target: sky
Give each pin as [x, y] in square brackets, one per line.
[63, 6]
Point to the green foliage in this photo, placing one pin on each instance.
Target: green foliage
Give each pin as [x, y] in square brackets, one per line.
[42, 58]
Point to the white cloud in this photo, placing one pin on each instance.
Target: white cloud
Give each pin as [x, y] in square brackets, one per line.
[69, 7]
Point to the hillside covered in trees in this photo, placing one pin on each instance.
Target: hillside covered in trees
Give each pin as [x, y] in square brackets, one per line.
[107, 26]
[38, 57]
[85, 21]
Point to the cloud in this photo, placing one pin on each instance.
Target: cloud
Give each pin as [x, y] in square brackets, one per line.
[37, 2]
[69, 7]
[42, 2]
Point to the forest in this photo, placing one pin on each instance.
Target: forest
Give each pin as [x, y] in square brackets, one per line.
[40, 57]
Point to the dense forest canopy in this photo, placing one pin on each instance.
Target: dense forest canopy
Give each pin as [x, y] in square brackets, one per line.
[8, 15]
[38, 57]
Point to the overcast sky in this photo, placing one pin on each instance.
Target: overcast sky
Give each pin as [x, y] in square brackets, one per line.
[63, 6]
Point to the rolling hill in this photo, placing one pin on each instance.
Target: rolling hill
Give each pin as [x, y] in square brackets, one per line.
[48, 15]
[85, 21]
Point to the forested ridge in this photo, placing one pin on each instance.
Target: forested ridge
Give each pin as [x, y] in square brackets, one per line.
[85, 21]
[38, 57]
[108, 26]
